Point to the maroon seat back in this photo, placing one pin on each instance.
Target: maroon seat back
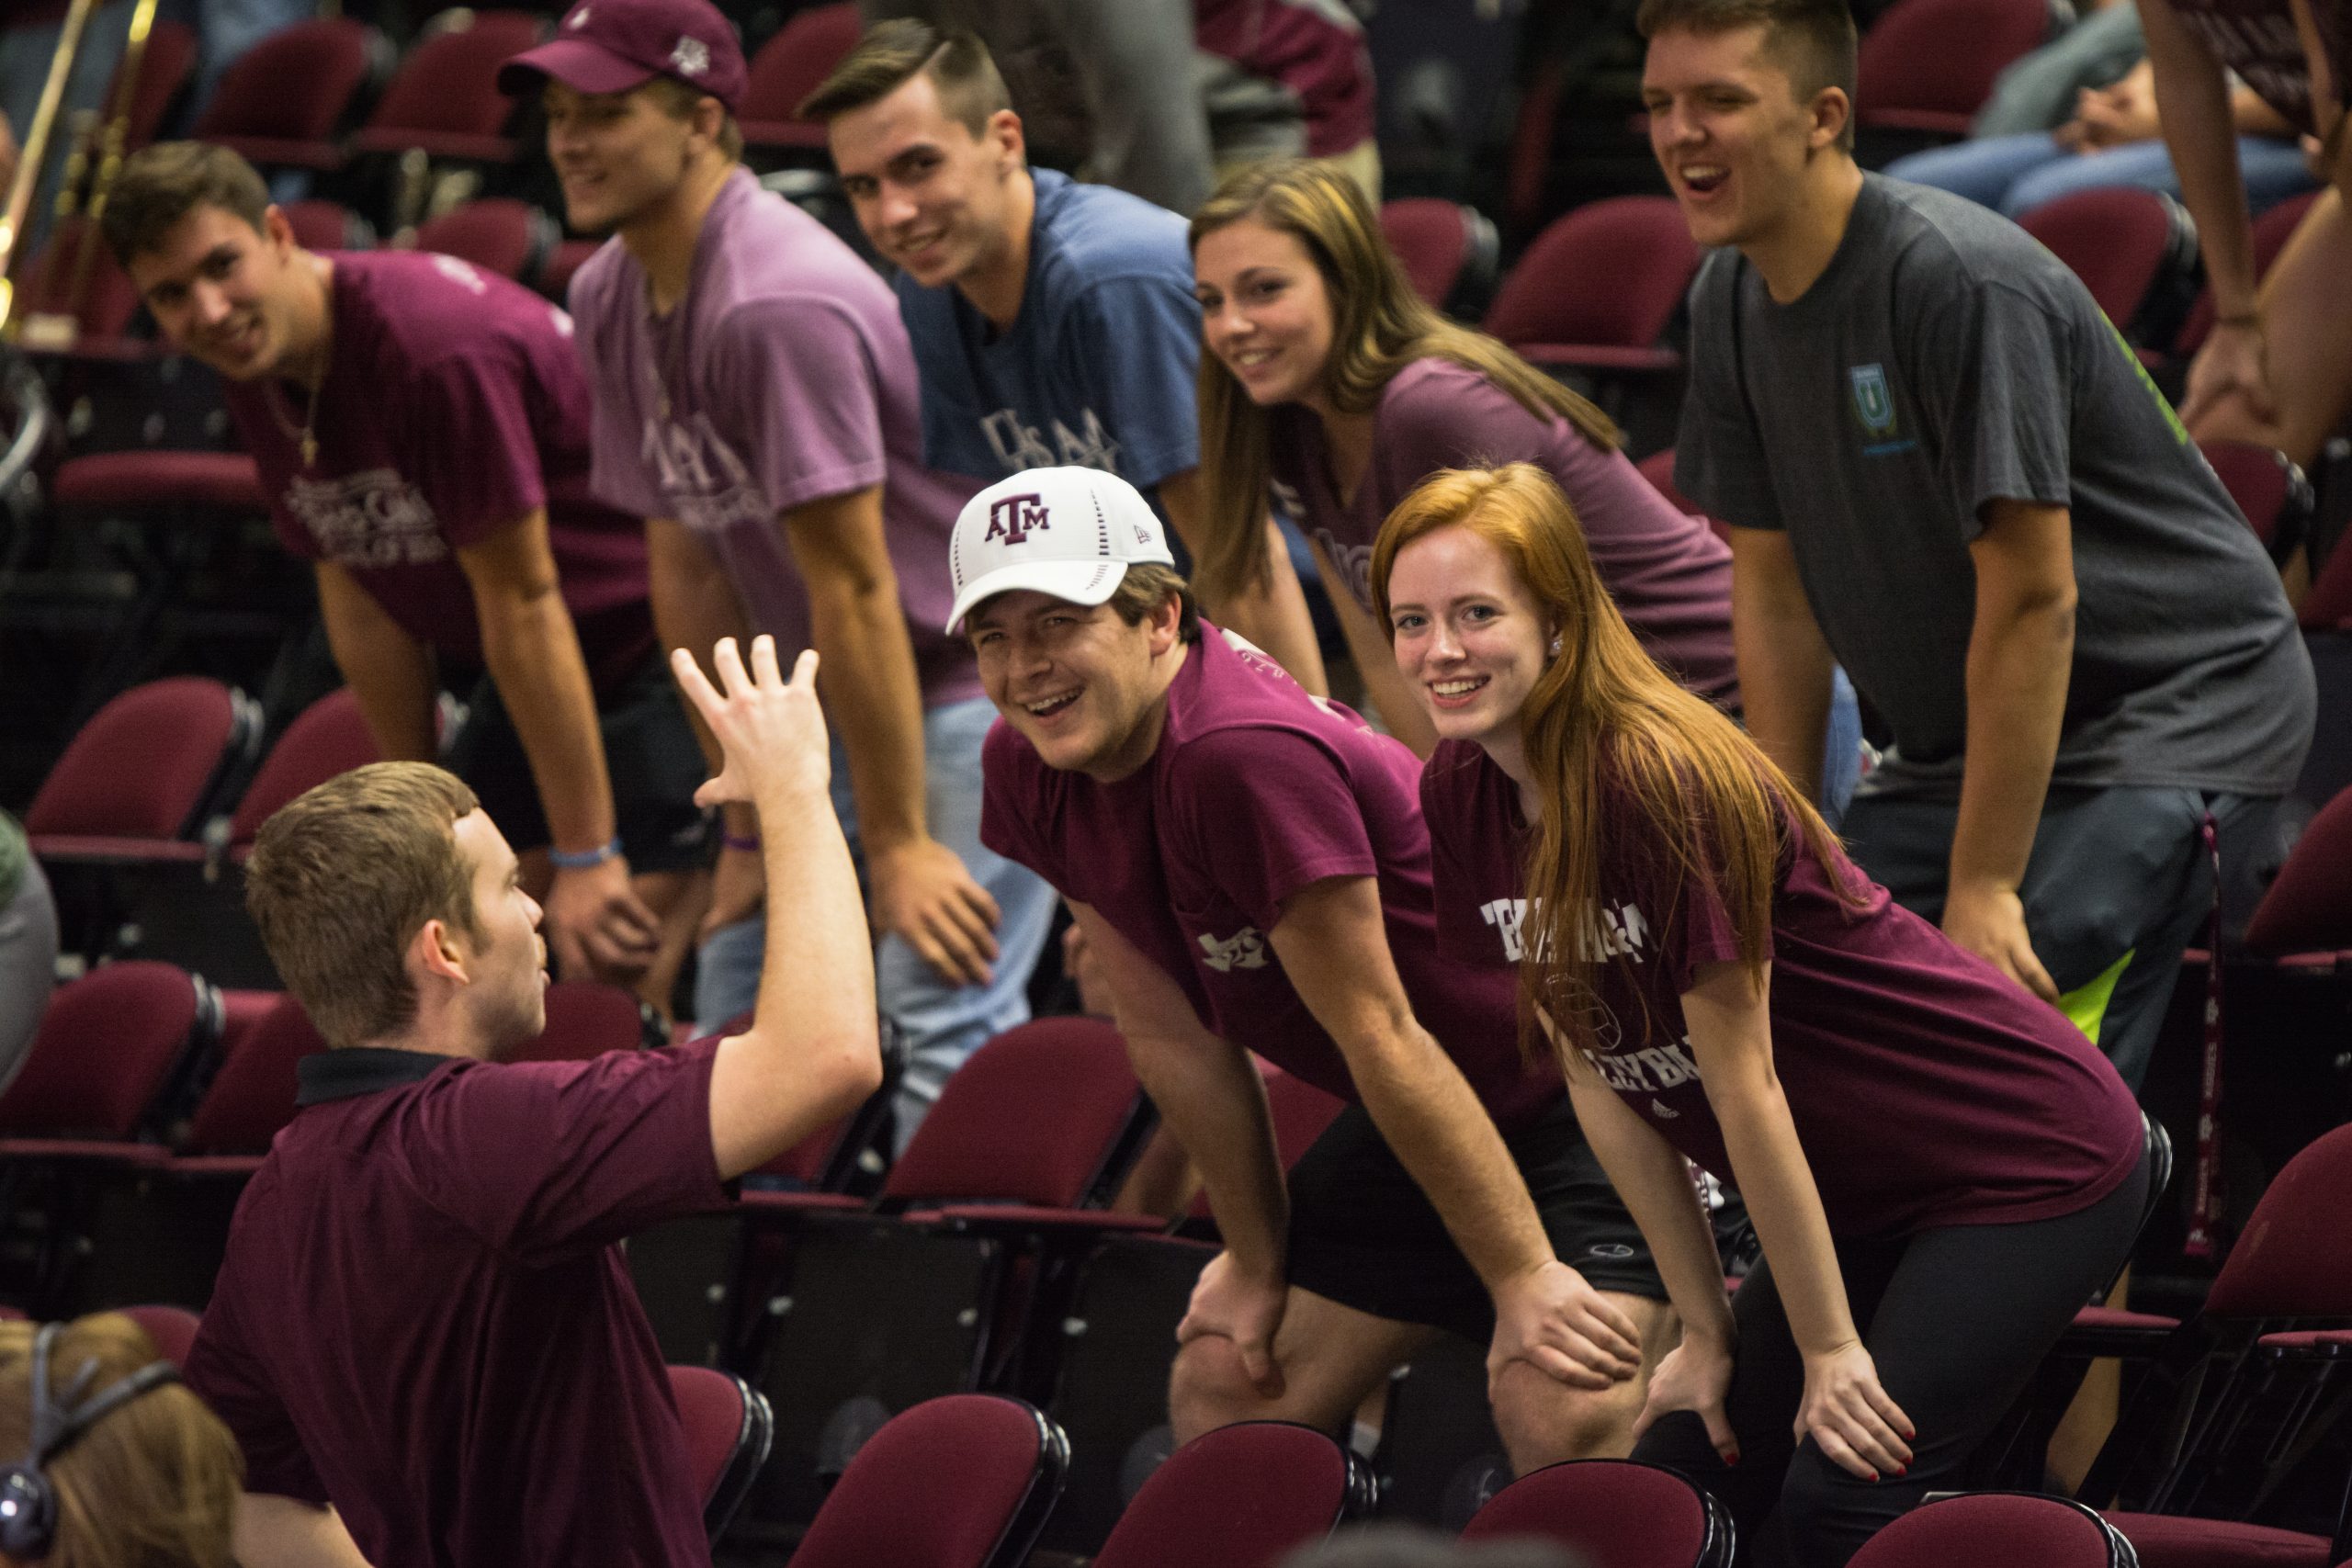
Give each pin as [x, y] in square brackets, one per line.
[788, 68]
[2292, 1261]
[962, 1482]
[75, 275]
[2270, 491]
[1432, 240]
[162, 70]
[498, 234]
[172, 1329]
[2116, 240]
[105, 1050]
[1992, 1527]
[143, 766]
[727, 1428]
[1240, 1496]
[323, 225]
[444, 96]
[282, 100]
[568, 258]
[2309, 907]
[1030, 1118]
[1616, 1513]
[2328, 606]
[1929, 64]
[1611, 273]
[252, 1094]
[2271, 233]
[328, 738]
[585, 1019]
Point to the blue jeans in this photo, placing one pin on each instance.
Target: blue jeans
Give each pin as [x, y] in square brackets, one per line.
[939, 1023]
[2013, 174]
[1841, 752]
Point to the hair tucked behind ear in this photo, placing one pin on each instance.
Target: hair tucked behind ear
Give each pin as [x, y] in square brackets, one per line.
[1695, 797]
[1380, 326]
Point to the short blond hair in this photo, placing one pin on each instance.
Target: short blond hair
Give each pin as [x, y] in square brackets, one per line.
[344, 876]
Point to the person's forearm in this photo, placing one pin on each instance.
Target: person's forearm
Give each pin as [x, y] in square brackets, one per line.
[873, 699]
[695, 605]
[279, 1532]
[2193, 104]
[2020, 659]
[389, 673]
[1400, 707]
[534, 654]
[1214, 1103]
[1656, 1186]
[1770, 1167]
[1784, 666]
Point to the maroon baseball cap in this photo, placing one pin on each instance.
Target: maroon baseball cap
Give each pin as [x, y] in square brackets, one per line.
[611, 45]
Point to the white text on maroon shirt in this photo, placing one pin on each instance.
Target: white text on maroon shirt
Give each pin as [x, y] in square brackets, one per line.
[371, 518]
[1622, 929]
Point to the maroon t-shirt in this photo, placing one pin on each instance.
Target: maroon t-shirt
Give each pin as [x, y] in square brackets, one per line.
[454, 405]
[2257, 38]
[1670, 575]
[423, 1317]
[1927, 1088]
[1256, 791]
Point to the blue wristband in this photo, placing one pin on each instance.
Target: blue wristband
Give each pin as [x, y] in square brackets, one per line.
[580, 860]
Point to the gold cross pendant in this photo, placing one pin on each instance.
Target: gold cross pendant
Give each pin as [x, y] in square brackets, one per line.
[309, 451]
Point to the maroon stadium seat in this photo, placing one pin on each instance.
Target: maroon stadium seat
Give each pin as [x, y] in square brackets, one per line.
[443, 99]
[163, 70]
[728, 1427]
[498, 234]
[1241, 1496]
[105, 1051]
[283, 101]
[568, 258]
[1658, 468]
[2309, 906]
[173, 1328]
[962, 1481]
[75, 275]
[143, 769]
[323, 225]
[788, 68]
[2120, 241]
[328, 738]
[1615, 1513]
[1599, 288]
[1929, 65]
[1444, 247]
[2271, 233]
[585, 1019]
[1997, 1526]
[2271, 492]
[252, 1094]
[160, 481]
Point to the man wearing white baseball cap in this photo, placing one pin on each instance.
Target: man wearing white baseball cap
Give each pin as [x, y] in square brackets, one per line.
[1250, 869]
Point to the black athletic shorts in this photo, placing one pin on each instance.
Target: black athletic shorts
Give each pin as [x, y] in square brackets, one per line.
[650, 751]
[1361, 1233]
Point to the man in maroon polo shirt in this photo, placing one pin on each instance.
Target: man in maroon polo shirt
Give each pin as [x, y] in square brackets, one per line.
[423, 1334]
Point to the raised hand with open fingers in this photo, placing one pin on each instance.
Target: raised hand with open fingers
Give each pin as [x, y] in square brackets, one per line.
[771, 732]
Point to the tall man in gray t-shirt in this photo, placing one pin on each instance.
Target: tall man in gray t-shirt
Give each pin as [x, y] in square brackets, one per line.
[1948, 472]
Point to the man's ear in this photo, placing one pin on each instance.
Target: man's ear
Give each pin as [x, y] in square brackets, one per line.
[709, 118]
[1003, 133]
[1161, 628]
[1832, 112]
[278, 230]
[436, 952]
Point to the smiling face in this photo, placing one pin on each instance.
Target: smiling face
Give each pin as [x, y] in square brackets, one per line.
[228, 294]
[505, 958]
[1078, 683]
[1469, 636]
[935, 198]
[619, 156]
[1266, 311]
[1731, 132]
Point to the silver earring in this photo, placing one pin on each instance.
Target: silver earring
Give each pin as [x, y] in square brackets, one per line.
[1555, 648]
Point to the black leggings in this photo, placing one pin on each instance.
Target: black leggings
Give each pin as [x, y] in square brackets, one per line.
[1956, 1320]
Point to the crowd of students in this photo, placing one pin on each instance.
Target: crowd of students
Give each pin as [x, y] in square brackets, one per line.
[1568, 920]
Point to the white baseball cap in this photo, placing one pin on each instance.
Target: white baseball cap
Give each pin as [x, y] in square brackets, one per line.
[1071, 533]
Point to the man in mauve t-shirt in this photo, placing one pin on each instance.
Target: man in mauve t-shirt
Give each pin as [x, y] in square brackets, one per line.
[423, 1335]
[1250, 866]
[756, 402]
[421, 430]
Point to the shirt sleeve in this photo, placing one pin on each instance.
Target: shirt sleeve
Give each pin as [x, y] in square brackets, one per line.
[798, 384]
[230, 1378]
[546, 1161]
[1266, 812]
[1008, 805]
[470, 447]
[1719, 452]
[1993, 371]
[1135, 343]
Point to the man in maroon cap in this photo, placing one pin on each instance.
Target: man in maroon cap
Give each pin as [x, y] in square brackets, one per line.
[756, 400]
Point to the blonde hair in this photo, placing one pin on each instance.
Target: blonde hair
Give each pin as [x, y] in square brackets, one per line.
[1708, 809]
[1379, 326]
[153, 1484]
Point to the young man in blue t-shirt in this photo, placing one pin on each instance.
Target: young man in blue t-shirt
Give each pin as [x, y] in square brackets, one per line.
[1053, 321]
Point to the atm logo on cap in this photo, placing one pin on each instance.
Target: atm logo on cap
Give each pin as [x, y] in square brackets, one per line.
[1012, 518]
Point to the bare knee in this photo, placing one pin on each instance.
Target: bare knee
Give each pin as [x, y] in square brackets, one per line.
[1543, 1421]
[1207, 1388]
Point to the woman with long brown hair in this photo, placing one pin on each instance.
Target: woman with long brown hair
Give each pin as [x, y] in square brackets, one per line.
[1940, 1168]
[1331, 384]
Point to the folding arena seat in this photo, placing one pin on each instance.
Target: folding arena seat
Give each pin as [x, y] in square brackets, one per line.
[443, 99]
[728, 1427]
[1615, 1513]
[2271, 492]
[998, 1196]
[165, 67]
[1926, 66]
[786, 69]
[497, 234]
[1599, 288]
[322, 225]
[1997, 1527]
[2308, 908]
[173, 1328]
[108, 1047]
[586, 1020]
[1451, 252]
[960, 1482]
[83, 300]
[283, 103]
[568, 258]
[1242, 1496]
[2271, 233]
[2134, 250]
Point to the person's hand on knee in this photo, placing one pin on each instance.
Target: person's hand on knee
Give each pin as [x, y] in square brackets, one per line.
[1227, 1303]
[1694, 1376]
[1850, 1418]
[1556, 1321]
